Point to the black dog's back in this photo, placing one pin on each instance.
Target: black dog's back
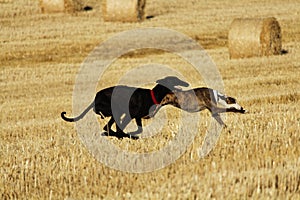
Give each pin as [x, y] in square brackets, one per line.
[123, 100]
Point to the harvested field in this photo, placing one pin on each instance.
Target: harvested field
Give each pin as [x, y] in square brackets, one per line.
[41, 157]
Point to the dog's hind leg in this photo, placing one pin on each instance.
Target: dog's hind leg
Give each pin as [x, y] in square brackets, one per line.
[107, 127]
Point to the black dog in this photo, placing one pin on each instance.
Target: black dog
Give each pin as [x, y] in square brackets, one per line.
[124, 103]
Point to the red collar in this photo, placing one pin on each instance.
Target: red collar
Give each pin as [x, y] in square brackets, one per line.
[153, 97]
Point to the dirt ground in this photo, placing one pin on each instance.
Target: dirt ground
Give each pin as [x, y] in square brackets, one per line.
[42, 157]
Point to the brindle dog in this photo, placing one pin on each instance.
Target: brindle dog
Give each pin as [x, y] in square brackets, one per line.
[199, 99]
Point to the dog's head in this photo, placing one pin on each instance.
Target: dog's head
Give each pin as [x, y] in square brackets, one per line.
[172, 82]
[226, 101]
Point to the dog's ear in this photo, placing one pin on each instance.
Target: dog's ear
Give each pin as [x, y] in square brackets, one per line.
[177, 88]
[159, 81]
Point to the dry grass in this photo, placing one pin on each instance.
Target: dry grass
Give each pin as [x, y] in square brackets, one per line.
[41, 156]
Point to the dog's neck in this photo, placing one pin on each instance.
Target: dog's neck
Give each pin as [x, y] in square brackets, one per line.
[216, 95]
[220, 98]
[159, 92]
[153, 97]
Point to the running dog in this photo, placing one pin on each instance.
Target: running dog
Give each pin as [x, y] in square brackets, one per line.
[199, 99]
[123, 103]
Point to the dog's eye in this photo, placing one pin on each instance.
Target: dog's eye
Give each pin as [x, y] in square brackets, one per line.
[230, 100]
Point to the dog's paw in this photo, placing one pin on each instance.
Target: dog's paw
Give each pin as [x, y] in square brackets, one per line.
[104, 133]
[134, 137]
[109, 133]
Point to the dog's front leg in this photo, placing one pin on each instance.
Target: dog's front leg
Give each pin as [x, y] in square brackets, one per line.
[153, 110]
[139, 125]
[122, 123]
[219, 119]
[133, 135]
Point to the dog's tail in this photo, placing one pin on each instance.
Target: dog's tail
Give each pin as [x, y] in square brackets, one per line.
[78, 117]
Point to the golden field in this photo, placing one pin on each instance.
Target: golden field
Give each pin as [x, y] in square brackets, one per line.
[41, 157]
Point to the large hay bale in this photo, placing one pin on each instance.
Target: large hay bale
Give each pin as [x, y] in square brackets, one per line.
[254, 37]
[123, 10]
[53, 6]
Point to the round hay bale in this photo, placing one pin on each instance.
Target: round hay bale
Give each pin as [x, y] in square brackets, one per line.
[54, 6]
[254, 37]
[123, 10]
